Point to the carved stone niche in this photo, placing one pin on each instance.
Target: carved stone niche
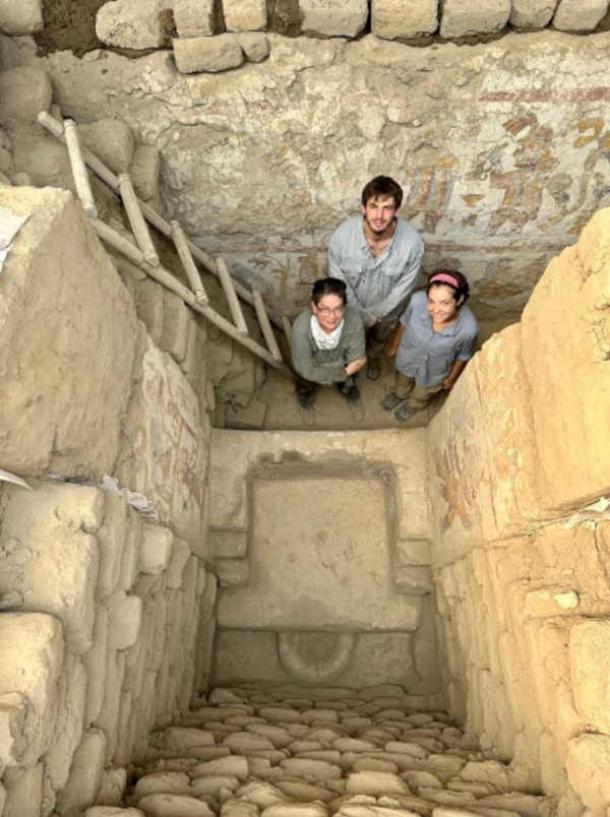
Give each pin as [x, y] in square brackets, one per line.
[321, 551]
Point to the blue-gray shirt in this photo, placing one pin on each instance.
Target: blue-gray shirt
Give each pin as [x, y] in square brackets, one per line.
[427, 355]
[377, 285]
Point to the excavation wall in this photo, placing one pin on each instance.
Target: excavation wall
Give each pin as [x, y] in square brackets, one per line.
[107, 605]
[502, 149]
[519, 482]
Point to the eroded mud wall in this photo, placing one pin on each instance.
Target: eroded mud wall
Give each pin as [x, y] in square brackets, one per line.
[107, 602]
[519, 475]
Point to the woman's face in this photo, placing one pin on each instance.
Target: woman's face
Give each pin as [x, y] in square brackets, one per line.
[442, 306]
[329, 311]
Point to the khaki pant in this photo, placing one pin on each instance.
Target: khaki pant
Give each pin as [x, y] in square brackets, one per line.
[378, 337]
[417, 397]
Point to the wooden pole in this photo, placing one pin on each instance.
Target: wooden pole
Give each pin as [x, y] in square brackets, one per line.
[263, 319]
[192, 273]
[136, 219]
[151, 215]
[79, 169]
[287, 329]
[112, 237]
[231, 296]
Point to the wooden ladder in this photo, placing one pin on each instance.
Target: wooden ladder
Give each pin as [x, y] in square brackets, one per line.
[139, 248]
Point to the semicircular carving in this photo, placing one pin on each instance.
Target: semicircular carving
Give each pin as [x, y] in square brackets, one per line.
[315, 657]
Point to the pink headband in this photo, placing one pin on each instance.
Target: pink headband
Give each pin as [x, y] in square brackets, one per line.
[446, 278]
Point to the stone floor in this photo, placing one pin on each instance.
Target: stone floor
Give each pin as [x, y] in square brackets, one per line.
[276, 406]
[303, 752]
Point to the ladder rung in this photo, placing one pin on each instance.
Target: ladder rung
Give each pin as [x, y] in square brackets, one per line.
[79, 169]
[190, 268]
[231, 296]
[265, 324]
[136, 220]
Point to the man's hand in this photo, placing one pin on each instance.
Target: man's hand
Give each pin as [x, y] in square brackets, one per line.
[355, 365]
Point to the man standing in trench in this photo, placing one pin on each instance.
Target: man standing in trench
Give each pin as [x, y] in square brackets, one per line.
[378, 256]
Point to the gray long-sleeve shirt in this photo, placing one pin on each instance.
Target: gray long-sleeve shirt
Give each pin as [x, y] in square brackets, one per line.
[426, 355]
[377, 285]
[326, 365]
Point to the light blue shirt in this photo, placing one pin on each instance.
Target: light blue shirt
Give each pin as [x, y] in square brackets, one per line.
[376, 285]
[426, 355]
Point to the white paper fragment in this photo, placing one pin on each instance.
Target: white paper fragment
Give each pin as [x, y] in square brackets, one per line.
[10, 224]
[137, 501]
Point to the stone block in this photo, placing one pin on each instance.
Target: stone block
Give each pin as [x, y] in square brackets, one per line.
[113, 811]
[402, 19]
[231, 572]
[209, 54]
[131, 553]
[150, 305]
[175, 569]
[574, 289]
[194, 18]
[205, 638]
[85, 775]
[24, 92]
[245, 15]
[587, 766]
[108, 719]
[155, 549]
[71, 695]
[174, 805]
[134, 24]
[144, 171]
[590, 671]
[125, 619]
[50, 559]
[255, 45]
[176, 319]
[579, 15]
[532, 14]
[23, 792]
[413, 579]
[44, 159]
[13, 713]
[111, 140]
[31, 656]
[80, 356]
[461, 19]
[24, 17]
[165, 453]
[9, 54]
[341, 18]
[111, 542]
[112, 787]
[95, 662]
[228, 544]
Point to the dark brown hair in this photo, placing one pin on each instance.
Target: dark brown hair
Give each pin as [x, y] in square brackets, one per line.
[328, 286]
[382, 186]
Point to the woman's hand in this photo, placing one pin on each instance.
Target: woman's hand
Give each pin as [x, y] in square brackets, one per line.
[355, 365]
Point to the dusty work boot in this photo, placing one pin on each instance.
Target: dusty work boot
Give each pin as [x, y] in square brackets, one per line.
[373, 368]
[306, 396]
[391, 401]
[403, 412]
[349, 390]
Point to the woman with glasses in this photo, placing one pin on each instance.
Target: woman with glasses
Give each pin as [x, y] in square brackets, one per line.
[327, 343]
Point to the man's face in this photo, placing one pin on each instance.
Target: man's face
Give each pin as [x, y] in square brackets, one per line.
[379, 212]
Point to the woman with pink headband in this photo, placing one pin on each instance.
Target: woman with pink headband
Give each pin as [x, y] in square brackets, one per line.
[434, 340]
